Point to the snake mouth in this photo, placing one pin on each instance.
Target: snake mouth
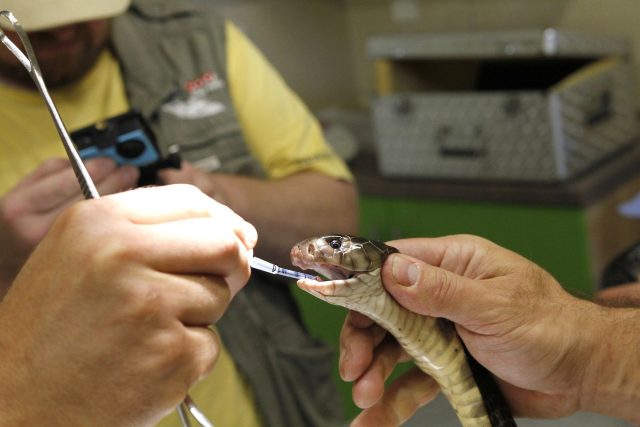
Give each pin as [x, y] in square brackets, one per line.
[333, 281]
[330, 272]
[307, 258]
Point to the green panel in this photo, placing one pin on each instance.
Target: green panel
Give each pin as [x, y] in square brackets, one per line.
[554, 237]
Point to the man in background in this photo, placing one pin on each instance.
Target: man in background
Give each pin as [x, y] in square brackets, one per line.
[246, 140]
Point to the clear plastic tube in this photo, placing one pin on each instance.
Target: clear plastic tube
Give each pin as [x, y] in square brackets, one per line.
[262, 265]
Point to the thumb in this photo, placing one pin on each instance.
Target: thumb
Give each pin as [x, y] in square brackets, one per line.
[429, 290]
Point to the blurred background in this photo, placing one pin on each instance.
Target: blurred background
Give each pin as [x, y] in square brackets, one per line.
[512, 119]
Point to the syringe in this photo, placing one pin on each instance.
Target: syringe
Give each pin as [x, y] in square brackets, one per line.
[262, 265]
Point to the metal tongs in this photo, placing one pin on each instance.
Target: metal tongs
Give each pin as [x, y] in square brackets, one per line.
[89, 190]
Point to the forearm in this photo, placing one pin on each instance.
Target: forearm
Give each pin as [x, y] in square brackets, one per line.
[612, 376]
[291, 209]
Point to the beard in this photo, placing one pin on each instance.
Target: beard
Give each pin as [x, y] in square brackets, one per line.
[61, 62]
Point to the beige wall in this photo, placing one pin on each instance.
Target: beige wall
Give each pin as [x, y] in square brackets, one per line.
[367, 17]
[305, 40]
[319, 45]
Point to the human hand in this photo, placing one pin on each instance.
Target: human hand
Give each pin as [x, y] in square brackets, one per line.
[28, 210]
[625, 295]
[106, 324]
[513, 317]
[189, 174]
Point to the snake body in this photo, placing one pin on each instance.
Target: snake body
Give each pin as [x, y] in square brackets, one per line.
[353, 266]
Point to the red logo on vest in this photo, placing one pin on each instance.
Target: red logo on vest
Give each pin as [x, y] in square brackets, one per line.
[208, 78]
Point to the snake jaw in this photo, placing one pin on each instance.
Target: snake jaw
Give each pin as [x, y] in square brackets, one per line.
[330, 272]
[338, 280]
[333, 258]
[328, 290]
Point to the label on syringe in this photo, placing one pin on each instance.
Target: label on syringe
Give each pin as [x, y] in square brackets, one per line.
[262, 265]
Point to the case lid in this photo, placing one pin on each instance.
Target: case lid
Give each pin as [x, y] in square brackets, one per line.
[548, 42]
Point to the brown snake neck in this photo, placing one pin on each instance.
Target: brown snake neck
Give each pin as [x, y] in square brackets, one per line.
[353, 266]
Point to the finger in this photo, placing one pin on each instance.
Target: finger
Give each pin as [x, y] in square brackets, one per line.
[195, 246]
[368, 389]
[60, 187]
[197, 300]
[361, 321]
[174, 176]
[429, 250]
[358, 320]
[204, 346]
[358, 339]
[433, 291]
[401, 400]
[154, 205]
[453, 253]
[625, 295]
[466, 255]
[123, 178]
[47, 167]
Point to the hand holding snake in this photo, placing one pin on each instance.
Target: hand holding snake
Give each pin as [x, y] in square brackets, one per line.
[542, 344]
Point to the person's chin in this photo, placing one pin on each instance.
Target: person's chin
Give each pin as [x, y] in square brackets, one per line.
[64, 71]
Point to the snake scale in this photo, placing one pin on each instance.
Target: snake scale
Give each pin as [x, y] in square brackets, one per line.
[353, 265]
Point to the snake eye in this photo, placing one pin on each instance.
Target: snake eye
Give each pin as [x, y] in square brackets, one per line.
[335, 243]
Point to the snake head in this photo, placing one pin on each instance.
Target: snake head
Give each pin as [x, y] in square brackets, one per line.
[348, 262]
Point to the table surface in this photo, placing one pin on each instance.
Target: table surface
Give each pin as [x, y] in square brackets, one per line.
[579, 191]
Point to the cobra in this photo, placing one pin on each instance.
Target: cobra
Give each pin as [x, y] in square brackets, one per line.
[353, 265]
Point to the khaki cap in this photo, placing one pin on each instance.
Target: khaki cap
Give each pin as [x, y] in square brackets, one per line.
[35, 15]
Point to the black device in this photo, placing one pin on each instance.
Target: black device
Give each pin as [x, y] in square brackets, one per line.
[128, 140]
[625, 268]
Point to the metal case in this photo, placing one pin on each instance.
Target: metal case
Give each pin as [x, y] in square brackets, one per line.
[523, 133]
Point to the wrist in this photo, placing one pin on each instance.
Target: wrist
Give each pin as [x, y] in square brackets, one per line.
[611, 383]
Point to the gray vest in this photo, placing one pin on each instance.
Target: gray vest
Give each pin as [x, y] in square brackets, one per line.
[172, 53]
[173, 58]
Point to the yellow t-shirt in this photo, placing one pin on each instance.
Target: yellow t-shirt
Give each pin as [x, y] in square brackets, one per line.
[278, 130]
[277, 127]
[27, 133]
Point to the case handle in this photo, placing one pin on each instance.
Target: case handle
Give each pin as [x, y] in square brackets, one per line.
[469, 145]
[602, 111]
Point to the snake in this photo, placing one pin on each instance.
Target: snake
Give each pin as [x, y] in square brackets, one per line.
[352, 266]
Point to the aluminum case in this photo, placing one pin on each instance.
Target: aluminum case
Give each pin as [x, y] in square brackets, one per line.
[580, 116]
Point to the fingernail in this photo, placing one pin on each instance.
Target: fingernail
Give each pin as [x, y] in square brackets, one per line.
[344, 358]
[405, 271]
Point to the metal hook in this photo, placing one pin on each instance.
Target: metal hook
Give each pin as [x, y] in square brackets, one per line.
[196, 412]
[89, 190]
